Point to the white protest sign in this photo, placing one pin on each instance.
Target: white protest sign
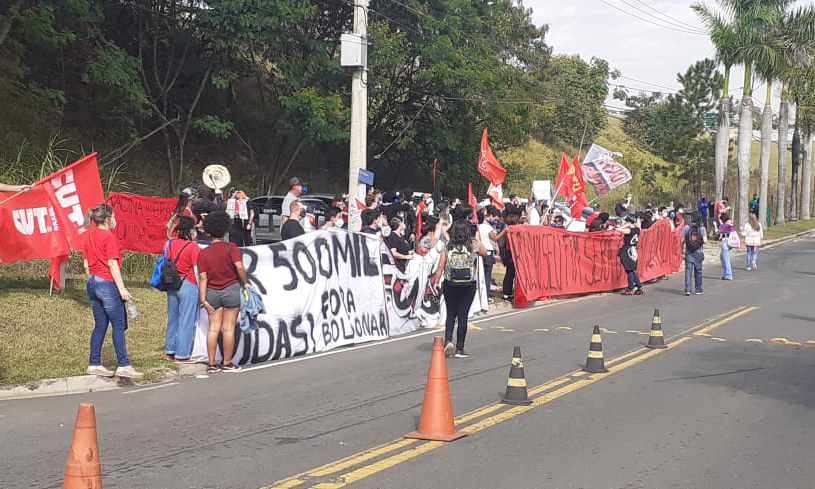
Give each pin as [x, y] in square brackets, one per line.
[321, 290]
[542, 190]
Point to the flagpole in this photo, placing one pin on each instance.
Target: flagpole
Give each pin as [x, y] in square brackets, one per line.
[21, 192]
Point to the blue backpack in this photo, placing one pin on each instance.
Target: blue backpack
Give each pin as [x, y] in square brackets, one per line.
[155, 280]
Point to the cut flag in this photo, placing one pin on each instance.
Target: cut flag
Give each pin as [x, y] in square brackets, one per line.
[470, 196]
[488, 164]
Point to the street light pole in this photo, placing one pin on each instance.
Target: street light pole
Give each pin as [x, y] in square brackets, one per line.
[359, 113]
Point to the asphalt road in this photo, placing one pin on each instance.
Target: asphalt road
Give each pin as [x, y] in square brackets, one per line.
[718, 409]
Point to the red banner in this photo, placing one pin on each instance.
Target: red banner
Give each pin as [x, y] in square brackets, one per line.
[73, 190]
[141, 222]
[29, 228]
[552, 262]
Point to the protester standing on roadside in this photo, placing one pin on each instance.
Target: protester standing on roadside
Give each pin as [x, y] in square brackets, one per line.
[694, 237]
[488, 229]
[106, 290]
[400, 249]
[182, 304]
[292, 227]
[703, 206]
[629, 255]
[623, 207]
[458, 263]
[295, 192]
[753, 234]
[221, 271]
[182, 208]
[724, 232]
[242, 212]
[508, 287]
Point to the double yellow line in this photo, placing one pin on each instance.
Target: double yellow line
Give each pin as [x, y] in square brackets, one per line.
[406, 449]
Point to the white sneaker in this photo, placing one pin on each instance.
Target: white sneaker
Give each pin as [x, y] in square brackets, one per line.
[448, 349]
[99, 370]
[129, 372]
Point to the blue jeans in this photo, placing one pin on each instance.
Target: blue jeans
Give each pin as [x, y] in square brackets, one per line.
[108, 308]
[633, 280]
[727, 271]
[752, 254]
[489, 262]
[693, 270]
[182, 311]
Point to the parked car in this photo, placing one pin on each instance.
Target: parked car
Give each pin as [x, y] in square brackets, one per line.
[268, 222]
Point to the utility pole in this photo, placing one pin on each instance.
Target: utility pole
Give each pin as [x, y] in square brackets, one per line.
[359, 106]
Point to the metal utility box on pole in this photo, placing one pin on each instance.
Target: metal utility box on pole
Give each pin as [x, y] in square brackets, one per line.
[354, 53]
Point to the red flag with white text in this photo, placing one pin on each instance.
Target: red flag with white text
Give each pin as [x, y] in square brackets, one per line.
[73, 191]
[29, 228]
[488, 164]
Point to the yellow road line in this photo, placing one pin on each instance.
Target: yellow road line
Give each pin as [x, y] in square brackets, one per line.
[707, 329]
[424, 447]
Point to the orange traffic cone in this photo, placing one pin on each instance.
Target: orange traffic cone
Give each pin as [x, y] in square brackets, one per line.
[83, 470]
[437, 422]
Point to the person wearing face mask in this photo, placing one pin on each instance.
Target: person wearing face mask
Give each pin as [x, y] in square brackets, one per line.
[292, 227]
[400, 249]
[182, 303]
[295, 192]
[333, 218]
[102, 258]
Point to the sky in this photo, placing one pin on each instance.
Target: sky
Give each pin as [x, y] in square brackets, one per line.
[637, 47]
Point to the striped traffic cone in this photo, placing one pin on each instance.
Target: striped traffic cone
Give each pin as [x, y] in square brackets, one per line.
[516, 384]
[595, 363]
[655, 339]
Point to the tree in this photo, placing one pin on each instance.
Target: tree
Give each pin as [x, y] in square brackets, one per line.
[779, 49]
[723, 35]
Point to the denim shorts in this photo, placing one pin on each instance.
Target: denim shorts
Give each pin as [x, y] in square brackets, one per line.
[229, 298]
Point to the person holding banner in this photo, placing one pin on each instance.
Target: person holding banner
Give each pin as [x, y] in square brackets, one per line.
[182, 303]
[458, 263]
[14, 188]
[182, 208]
[221, 272]
[102, 257]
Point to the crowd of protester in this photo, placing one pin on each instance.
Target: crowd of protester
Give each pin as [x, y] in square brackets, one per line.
[214, 278]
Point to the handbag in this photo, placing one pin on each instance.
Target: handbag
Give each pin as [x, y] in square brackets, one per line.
[733, 240]
[155, 279]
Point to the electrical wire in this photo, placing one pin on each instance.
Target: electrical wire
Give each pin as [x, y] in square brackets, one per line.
[650, 21]
[670, 20]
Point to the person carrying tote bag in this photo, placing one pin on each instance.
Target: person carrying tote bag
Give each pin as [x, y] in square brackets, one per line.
[753, 234]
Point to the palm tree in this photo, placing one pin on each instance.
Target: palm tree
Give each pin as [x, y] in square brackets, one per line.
[723, 36]
[783, 47]
[802, 87]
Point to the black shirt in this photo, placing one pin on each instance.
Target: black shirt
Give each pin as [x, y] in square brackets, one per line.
[369, 230]
[393, 210]
[398, 243]
[291, 229]
[620, 210]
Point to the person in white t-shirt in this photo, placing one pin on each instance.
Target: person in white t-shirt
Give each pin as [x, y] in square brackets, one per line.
[533, 216]
[489, 238]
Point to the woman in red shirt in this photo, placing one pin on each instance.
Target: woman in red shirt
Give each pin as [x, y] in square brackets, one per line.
[182, 304]
[221, 274]
[106, 291]
[182, 209]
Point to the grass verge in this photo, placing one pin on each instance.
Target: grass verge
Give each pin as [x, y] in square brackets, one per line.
[44, 336]
[790, 228]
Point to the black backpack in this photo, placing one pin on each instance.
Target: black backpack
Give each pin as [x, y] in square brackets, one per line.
[169, 272]
[693, 239]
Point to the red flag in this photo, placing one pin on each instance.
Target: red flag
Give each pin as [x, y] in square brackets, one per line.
[435, 169]
[497, 194]
[570, 177]
[420, 209]
[488, 164]
[29, 228]
[73, 190]
[54, 272]
[471, 197]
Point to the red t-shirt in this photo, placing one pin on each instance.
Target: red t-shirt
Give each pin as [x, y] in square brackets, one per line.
[720, 206]
[219, 268]
[591, 218]
[186, 260]
[100, 247]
